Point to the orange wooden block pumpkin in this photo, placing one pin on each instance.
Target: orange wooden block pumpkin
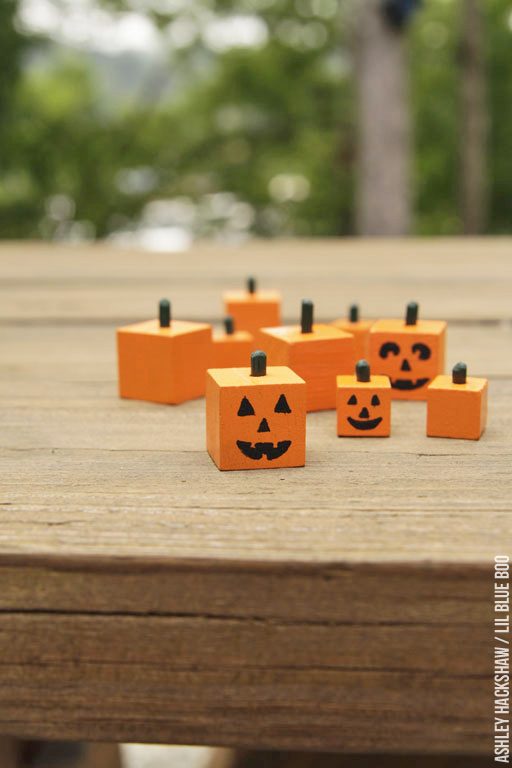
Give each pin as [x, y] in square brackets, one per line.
[253, 309]
[256, 417]
[360, 330]
[163, 361]
[317, 353]
[363, 404]
[411, 352]
[232, 348]
[457, 405]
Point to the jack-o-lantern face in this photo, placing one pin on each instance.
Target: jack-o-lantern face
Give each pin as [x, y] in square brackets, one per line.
[408, 360]
[365, 419]
[259, 448]
[412, 355]
[256, 419]
[363, 404]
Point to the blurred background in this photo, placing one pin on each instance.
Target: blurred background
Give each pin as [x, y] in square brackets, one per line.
[158, 122]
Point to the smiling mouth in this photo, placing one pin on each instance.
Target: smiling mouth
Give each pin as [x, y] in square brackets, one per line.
[256, 451]
[367, 424]
[408, 384]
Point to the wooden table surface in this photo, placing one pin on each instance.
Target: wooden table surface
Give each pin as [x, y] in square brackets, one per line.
[146, 596]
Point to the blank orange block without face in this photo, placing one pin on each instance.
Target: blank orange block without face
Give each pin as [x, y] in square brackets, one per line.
[457, 410]
[252, 309]
[231, 350]
[410, 353]
[317, 356]
[363, 407]
[163, 364]
[360, 330]
[255, 422]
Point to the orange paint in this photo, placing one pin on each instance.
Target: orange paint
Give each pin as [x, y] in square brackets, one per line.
[410, 354]
[163, 364]
[253, 309]
[363, 407]
[317, 357]
[360, 330]
[255, 422]
[457, 410]
[231, 350]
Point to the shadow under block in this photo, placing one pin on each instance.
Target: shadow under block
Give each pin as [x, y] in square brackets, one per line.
[411, 355]
[231, 350]
[363, 407]
[317, 357]
[255, 422]
[252, 311]
[360, 330]
[163, 365]
[457, 410]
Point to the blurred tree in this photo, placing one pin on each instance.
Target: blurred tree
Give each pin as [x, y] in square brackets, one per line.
[12, 44]
[271, 125]
[384, 183]
[498, 26]
[434, 97]
[258, 139]
[473, 119]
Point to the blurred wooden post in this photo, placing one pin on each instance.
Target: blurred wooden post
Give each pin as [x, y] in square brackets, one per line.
[383, 195]
[473, 120]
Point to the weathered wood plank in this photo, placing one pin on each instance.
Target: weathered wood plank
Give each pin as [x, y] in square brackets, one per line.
[34, 354]
[352, 506]
[146, 596]
[452, 279]
[85, 473]
[210, 681]
[258, 759]
[365, 592]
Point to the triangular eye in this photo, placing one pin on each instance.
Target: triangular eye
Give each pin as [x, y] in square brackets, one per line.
[246, 408]
[352, 400]
[375, 400]
[282, 405]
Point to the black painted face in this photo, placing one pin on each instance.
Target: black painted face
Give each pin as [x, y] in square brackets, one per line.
[363, 420]
[403, 366]
[257, 450]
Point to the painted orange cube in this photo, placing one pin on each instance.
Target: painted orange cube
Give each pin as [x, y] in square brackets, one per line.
[360, 330]
[411, 352]
[317, 353]
[253, 309]
[232, 348]
[163, 361]
[363, 404]
[457, 405]
[256, 417]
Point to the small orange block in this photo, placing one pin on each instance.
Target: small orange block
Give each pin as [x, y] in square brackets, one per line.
[411, 352]
[232, 348]
[360, 330]
[457, 405]
[317, 353]
[363, 404]
[256, 417]
[253, 309]
[163, 363]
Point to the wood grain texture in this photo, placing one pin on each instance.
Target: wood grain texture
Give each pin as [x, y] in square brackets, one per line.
[451, 279]
[145, 596]
[311, 760]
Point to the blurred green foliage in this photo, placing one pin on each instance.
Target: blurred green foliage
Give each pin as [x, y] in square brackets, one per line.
[273, 125]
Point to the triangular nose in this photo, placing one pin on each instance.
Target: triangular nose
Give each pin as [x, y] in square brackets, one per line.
[364, 414]
[263, 427]
[405, 365]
